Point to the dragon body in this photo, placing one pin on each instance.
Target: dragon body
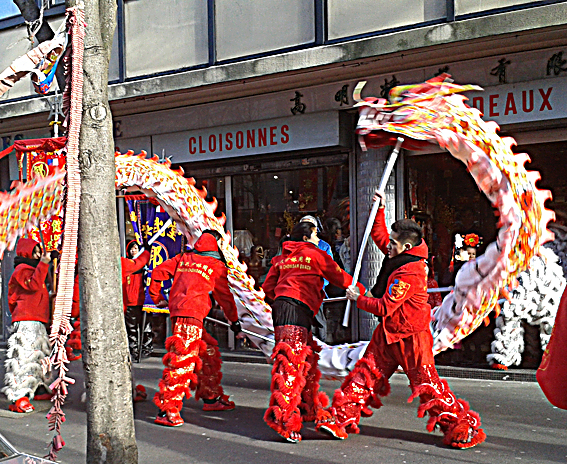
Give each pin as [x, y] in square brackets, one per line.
[432, 112]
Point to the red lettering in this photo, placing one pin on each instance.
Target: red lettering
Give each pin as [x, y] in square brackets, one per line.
[229, 140]
[262, 138]
[220, 142]
[493, 104]
[478, 103]
[240, 140]
[285, 134]
[510, 104]
[545, 103]
[250, 138]
[192, 149]
[525, 103]
[212, 143]
[201, 145]
[273, 135]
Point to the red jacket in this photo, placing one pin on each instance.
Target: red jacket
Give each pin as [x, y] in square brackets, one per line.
[28, 299]
[404, 305]
[299, 272]
[194, 276]
[552, 372]
[133, 283]
[129, 266]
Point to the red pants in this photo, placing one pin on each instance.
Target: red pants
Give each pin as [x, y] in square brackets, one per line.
[295, 381]
[369, 381]
[189, 362]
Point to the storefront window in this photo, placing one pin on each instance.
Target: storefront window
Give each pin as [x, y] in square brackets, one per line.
[443, 197]
[215, 187]
[267, 205]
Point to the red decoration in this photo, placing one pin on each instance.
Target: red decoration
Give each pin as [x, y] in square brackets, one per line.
[471, 240]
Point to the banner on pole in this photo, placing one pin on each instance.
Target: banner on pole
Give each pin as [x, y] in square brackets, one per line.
[147, 218]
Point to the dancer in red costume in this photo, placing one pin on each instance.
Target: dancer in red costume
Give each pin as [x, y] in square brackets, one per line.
[133, 295]
[402, 339]
[28, 301]
[295, 282]
[190, 348]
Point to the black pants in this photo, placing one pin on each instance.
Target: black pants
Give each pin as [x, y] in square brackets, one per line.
[135, 331]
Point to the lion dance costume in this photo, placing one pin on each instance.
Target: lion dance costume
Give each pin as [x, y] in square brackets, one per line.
[193, 357]
[402, 339]
[295, 282]
[28, 301]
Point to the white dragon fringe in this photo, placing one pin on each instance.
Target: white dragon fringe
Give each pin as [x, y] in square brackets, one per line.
[28, 346]
[535, 300]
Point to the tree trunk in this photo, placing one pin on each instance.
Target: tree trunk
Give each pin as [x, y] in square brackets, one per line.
[110, 422]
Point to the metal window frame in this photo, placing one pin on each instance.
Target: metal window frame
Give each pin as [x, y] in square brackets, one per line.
[321, 34]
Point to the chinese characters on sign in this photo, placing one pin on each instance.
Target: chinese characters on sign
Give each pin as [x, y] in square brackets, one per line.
[385, 89]
[342, 95]
[500, 70]
[555, 64]
[299, 106]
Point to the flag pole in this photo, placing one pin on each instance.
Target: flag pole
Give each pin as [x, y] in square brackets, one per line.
[381, 189]
[154, 238]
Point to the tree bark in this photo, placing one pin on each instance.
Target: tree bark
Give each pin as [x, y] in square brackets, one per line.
[110, 421]
[30, 12]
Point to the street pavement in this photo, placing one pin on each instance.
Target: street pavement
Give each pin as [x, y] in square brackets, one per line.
[522, 427]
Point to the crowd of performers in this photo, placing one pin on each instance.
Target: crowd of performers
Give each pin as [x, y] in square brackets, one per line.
[294, 289]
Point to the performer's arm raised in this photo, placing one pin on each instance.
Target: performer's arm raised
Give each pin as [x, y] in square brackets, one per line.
[129, 266]
[379, 232]
[34, 280]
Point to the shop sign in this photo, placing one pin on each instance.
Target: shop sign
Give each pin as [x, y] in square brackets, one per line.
[522, 102]
[269, 136]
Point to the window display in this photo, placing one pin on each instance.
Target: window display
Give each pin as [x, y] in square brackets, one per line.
[266, 206]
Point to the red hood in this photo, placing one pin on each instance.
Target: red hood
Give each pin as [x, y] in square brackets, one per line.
[206, 242]
[25, 247]
[421, 250]
[290, 247]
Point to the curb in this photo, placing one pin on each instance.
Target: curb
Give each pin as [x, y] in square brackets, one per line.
[511, 375]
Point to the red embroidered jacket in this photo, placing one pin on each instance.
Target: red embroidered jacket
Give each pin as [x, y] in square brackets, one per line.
[404, 305]
[129, 266]
[299, 272]
[132, 283]
[28, 299]
[194, 276]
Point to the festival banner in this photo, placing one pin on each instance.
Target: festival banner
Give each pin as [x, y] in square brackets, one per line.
[147, 219]
[43, 157]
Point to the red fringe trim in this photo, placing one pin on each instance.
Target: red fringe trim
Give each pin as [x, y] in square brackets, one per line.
[176, 344]
[209, 375]
[283, 414]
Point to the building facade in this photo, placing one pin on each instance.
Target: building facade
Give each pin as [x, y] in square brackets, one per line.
[254, 100]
